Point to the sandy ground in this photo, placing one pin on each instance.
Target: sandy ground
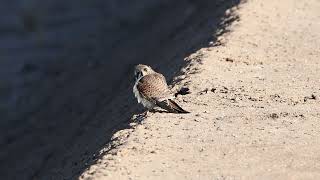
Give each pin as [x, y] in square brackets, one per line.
[254, 97]
[68, 110]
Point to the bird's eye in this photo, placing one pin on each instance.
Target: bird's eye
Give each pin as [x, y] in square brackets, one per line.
[145, 69]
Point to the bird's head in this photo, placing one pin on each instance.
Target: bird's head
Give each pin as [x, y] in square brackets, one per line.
[142, 70]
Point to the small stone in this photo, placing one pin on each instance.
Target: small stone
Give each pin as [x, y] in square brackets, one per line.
[229, 60]
[274, 115]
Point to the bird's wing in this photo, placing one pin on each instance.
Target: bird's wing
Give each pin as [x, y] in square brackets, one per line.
[154, 87]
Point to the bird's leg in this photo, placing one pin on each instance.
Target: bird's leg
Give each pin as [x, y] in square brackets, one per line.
[152, 110]
[141, 116]
[145, 113]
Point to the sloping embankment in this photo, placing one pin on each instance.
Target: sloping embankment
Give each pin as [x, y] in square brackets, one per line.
[255, 103]
[65, 71]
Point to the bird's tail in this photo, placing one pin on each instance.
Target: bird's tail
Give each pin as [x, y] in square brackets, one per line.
[171, 106]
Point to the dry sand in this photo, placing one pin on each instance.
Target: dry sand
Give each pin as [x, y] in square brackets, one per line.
[254, 98]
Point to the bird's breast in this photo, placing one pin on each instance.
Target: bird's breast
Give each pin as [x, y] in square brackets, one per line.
[141, 99]
[136, 93]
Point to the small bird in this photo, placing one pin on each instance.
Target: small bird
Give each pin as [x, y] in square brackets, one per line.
[151, 90]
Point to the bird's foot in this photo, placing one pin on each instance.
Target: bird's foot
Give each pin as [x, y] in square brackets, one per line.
[140, 117]
[147, 112]
[144, 115]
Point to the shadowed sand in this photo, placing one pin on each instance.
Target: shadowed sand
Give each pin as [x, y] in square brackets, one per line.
[254, 97]
[70, 70]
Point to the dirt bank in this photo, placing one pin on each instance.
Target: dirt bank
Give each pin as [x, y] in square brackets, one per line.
[254, 99]
[66, 74]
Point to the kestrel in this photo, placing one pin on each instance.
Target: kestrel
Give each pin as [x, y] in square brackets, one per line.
[151, 90]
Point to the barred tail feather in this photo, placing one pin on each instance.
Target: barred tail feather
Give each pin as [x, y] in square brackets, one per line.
[171, 106]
